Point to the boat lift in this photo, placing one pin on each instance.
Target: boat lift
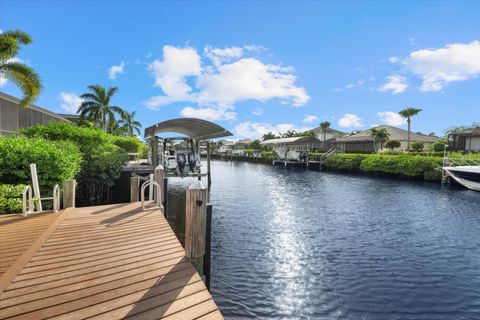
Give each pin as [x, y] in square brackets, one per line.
[183, 160]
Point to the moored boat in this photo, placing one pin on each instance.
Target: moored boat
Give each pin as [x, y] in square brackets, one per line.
[468, 176]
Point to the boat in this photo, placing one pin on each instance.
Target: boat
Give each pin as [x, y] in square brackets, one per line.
[468, 176]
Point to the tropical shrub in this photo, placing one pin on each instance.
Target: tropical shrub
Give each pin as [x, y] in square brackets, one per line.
[56, 161]
[345, 161]
[11, 198]
[132, 144]
[392, 144]
[403, 165]
[102, 158]
[439, 145]
[267, 154]
[418, 146]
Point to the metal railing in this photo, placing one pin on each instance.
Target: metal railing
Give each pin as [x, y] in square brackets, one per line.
[157, 200]
[454, 162]
[28, 201]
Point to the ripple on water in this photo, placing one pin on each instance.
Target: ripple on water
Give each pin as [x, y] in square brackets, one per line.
[294, 244]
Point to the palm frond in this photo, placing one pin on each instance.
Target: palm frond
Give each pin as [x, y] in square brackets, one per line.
[19, 36]
[25, 78]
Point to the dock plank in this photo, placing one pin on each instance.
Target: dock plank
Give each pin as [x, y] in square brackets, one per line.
[103, 262]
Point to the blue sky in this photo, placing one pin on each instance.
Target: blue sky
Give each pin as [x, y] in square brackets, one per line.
[259, 66]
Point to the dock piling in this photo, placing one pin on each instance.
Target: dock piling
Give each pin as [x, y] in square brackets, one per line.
[195, 224]
[69, 193]
[134, 187]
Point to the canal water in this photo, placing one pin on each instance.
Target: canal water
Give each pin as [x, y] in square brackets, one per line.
[296, 244]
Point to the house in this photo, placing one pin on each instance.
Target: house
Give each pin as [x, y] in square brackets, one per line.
[239, 147]
[13, 117]
[291, 148]
[328, 134]
[327, 137]
[465, 140]
[226, 146]
[363, 141]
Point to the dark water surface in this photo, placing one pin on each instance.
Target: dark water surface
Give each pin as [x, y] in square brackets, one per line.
[296, 244]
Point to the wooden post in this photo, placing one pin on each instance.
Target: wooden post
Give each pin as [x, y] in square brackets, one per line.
[165, 196]
[69, 193]
[158, 176]
[208, 245]
[36, 188]
[209, 174]
[195, 224]
[155, 151]
[134, 185]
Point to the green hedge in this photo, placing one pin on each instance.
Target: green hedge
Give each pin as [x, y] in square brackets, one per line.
[102, 158]
[56, 161]
[11, 198]
[420, 167]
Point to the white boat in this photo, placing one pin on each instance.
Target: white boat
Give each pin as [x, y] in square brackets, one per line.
[468, 176]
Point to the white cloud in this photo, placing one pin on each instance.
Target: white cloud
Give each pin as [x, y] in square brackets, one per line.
[393, 59]
[257, 111]
[255, 130]
[439, 67]
[3, 81]
[350, 121]
[310, 118]
[391, 118]
[351, 85]
[113, 71]
[395, 83]
[231, 78]
[208, 113]
[70, 102]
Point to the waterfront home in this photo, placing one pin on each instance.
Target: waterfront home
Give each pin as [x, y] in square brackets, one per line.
[292, 148]
[465, 140]
[327, 137]
[363, 141]
[225, 146]
[13, 117]
[239, 147]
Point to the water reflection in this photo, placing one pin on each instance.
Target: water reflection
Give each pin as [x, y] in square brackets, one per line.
[295, 244]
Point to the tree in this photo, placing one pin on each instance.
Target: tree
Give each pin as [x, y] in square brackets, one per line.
[439, 145]
[268, 136]
[418, 146]
[408, 113]
[255, 144]
[392, 144]
[96, 107]
[379, 135]
[22, 75]
[128, 124]
[325, 125]
[290, 134]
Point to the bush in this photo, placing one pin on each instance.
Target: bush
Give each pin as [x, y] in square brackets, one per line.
[131, 145]
[418, 146]
[56, 161]
[438, 146]
[404, 165]
[103, 159]
[345, 161]
[392, 144]
[267, 154]
[11, 198]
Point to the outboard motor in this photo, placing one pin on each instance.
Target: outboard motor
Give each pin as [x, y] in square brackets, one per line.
[181, 161]
[192, 161]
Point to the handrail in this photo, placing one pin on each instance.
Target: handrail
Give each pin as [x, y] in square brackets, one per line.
[26, 190]
[460, 162]
[157, 191]
[56, 198]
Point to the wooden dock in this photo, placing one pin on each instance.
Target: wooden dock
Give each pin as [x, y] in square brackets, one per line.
[103, 262]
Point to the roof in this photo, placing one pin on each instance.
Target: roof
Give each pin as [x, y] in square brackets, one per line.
[33, 107]
[395, 134]
[110, 262]
[196, 128]
[293, 140]
[472, 131]
[319, 130]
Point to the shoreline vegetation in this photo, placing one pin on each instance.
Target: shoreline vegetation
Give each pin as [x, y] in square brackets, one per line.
[424, 166]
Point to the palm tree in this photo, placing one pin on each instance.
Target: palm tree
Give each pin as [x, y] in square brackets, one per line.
[128, 123]
[325, 125]
[409, 113]
[22, 75]
[379, 135]
[96, 106]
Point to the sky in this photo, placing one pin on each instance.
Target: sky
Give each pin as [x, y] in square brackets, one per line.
[255, 67]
